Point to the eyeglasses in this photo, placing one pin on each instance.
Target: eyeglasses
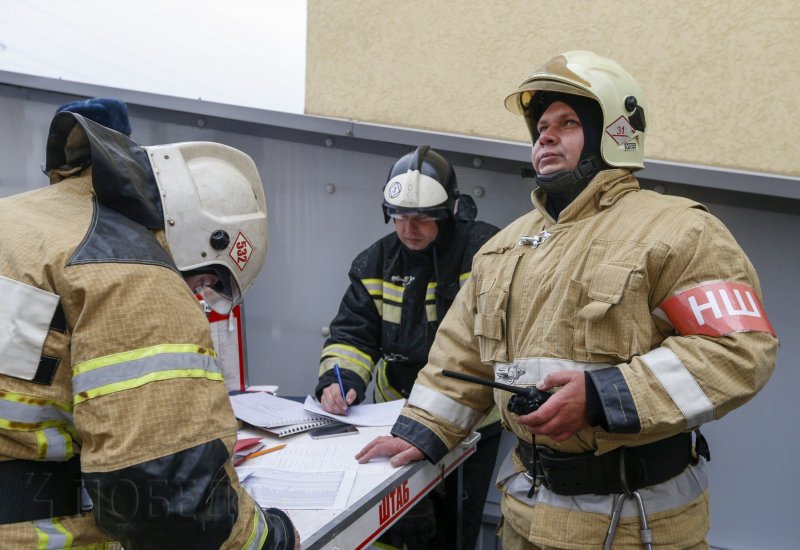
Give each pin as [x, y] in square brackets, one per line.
[417, 216]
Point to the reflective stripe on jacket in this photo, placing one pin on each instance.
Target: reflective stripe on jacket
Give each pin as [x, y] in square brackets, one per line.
[586, 293]
[132, 383]
[389, 314]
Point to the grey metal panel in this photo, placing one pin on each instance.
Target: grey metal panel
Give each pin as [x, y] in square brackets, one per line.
[704, 176]
[315, 234]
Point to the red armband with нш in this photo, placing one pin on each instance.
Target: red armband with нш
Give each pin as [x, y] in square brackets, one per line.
[716, 308]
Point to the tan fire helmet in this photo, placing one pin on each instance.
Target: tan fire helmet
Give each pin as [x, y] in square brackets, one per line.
[215, 215]
[587, 74]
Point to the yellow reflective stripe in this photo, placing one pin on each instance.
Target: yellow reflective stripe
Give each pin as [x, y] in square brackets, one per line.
[430, 292]
[379, 306]
[392, 313]
[352, 359]
[385, 390]
[51, 535]
[393, 293]
[136, 354]
[63, 530]
[463, 278]
[53, 444]
[430, 311]
[21, 412]
[373, 286]
[146, 379]
[348, 352]
[258, 535]
[36, 401]
[131, 369]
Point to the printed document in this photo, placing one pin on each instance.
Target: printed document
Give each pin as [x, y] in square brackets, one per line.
[373, 414]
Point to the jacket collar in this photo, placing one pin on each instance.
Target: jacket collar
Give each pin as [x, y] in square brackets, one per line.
[122, 177]
[605, 189]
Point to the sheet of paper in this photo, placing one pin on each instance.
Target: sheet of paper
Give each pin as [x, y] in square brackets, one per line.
[373, 414]
[338, 453]
[266, 410]
[298, 490]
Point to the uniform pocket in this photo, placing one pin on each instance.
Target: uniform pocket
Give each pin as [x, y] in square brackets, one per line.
[490, 318]
[607, 318]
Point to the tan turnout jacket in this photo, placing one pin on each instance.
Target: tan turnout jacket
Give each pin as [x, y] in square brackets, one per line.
[131, 384]
[651, 294]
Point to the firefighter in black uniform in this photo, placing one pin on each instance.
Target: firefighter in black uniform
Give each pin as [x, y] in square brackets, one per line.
[400, 289]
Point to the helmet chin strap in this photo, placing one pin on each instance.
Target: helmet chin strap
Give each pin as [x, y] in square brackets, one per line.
[563, 187]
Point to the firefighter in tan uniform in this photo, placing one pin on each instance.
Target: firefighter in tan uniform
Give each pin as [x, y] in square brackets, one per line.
[115, 425]
[638, 312]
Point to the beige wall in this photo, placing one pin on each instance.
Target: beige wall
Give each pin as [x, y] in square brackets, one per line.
[721, 76]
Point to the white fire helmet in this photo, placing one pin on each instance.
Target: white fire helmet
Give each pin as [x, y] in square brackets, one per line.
[215, 215]
[422, 182]
[590, 75]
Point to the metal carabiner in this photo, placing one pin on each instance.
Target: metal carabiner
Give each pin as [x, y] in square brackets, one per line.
[645, 533]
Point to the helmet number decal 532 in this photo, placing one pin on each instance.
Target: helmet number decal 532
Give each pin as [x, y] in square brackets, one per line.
[240, 251]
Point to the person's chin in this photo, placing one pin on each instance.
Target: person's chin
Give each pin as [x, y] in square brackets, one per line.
[416, 246]
[547, 168]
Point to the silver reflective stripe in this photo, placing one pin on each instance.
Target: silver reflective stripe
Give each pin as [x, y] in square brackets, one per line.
[681, 386]
[259, 533]
[52, 536]
[373, 286]
[430, 292]
[26, 413]
[674, 493]
[27, 313]
[136, 368]
[440, 405]
[531, 370]
[341, 350]
[392, 292]
[56, 442]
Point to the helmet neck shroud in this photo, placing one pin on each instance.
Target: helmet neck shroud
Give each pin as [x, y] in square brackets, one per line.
[564, 186]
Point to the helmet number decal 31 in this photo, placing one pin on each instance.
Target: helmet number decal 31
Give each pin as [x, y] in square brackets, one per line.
[241, 251]
[620, 130]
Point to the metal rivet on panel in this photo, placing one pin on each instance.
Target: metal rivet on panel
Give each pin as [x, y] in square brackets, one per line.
[329, 141]
[477, 162]
[326, 331]
[479, 191]
[330, 189]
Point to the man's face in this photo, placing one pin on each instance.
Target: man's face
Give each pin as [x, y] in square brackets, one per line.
[560, 140]
[416, 232]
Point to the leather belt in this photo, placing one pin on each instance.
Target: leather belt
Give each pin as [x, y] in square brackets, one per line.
[622, 470]
[33, 489]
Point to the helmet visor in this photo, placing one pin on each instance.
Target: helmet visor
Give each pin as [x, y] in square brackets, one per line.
[419, 215]
[519, 101]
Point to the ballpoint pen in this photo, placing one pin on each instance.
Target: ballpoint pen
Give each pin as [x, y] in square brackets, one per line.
[259, 453]
[341, 386]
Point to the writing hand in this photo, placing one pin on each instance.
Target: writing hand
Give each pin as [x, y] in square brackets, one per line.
[332, 402]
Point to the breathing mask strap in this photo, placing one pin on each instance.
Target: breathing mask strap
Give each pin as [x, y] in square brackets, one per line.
[563, 187]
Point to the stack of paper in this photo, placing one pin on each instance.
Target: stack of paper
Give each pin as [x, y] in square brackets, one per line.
[277, 415]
